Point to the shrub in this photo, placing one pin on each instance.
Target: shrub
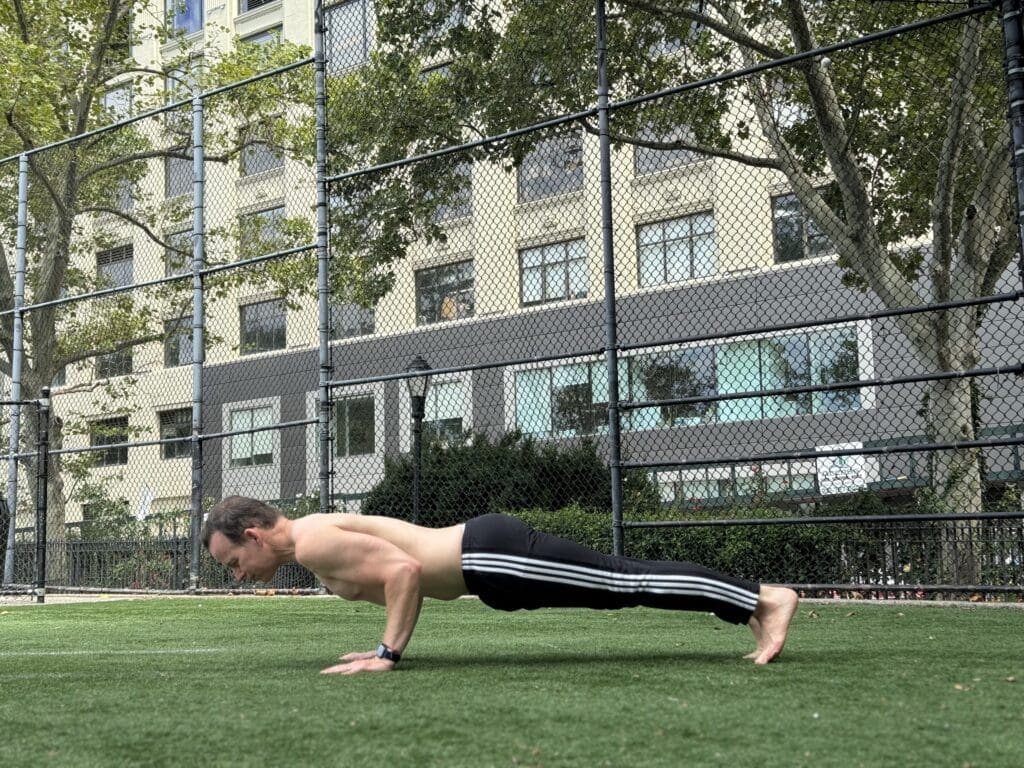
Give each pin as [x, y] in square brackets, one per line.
[512, 473]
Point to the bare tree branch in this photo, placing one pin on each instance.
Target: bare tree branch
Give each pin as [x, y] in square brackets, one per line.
[131, 220]
[725, 154]
[728, 31]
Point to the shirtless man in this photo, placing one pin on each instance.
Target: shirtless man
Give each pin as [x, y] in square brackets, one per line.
[498, 558]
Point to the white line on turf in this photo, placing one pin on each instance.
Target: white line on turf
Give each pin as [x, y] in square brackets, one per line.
[123, 652]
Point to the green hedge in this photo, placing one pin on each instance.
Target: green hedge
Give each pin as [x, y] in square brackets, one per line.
[806, 554]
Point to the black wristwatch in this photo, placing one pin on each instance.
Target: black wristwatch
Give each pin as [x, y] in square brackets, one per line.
[384, 652]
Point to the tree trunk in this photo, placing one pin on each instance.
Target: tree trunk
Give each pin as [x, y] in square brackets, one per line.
[956, 475]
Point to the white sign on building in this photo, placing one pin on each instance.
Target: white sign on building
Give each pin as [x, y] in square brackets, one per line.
[842, 474]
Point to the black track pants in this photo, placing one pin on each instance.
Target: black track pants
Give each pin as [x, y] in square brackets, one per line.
[510, 566]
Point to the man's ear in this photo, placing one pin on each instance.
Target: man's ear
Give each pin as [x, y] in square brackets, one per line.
[253, 534]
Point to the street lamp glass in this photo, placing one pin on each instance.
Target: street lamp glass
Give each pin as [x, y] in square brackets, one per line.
[418, 385]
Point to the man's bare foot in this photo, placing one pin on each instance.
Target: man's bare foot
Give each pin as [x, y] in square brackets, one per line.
[770, 622]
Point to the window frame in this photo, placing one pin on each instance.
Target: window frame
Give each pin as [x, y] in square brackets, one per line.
[254, 459]
[250, 346]
[119, 276]
[664, 242]
[454, 290]
[801, 222]
[181, 426]
[360, 42]
[342, 426]
[570, 264]
[183, 334]
[537, 177]
[118, 433]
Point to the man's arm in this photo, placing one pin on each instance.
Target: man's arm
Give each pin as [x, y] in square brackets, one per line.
[357, 566]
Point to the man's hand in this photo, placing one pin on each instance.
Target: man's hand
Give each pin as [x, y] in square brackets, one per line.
[359, 662]
[356, 656]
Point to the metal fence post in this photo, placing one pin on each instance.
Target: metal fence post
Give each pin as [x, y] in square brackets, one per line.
[198, 356]
[42, 478]
[611, 324]
[18, 352]
[1013, 40]
[323, 264]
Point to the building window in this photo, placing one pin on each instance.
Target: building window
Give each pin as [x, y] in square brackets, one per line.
[177, 176]
[675, 250]
[354, 426]
[564, 401]
[118, 102]
[444, 293]
[553, 272]
[678, 374]
[114, 364]
[112, 432]
[257, 155]
[260, 232]
[272, 35]
[785, 362]
[460, 204]
[251, 449]
[443, 411]
[796, 234]
[554, 167]
[651, 160]
[175, 424]
[351, 34]
[185, 15]
[115, 267]
[250, 5]
[178, 342]
[262, 327]
[349, 320]
[570, 400]
[177, 253]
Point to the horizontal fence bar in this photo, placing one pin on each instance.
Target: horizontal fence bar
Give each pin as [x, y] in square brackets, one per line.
[461, 147]
[182, 277]
[184, 103]
[822, 520]
[879, 315]
[170, 440]
[800, 455]
[834, 387]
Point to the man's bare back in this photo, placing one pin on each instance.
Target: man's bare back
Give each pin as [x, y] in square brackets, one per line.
[437, 550]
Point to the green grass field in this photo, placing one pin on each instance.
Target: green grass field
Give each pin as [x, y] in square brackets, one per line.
[218, 681]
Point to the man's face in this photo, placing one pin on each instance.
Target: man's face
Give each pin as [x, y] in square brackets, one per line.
[249, 561]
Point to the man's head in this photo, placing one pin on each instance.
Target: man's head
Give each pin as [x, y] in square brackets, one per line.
[235, 534]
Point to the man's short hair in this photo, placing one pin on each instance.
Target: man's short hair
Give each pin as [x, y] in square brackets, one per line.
[236, 513]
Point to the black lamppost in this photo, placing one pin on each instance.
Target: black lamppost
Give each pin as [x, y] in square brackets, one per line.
[417, 383]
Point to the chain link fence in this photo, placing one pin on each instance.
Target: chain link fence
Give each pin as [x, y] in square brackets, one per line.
[756, 304]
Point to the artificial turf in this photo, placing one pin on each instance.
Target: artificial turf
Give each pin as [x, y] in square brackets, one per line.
[234, 681]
